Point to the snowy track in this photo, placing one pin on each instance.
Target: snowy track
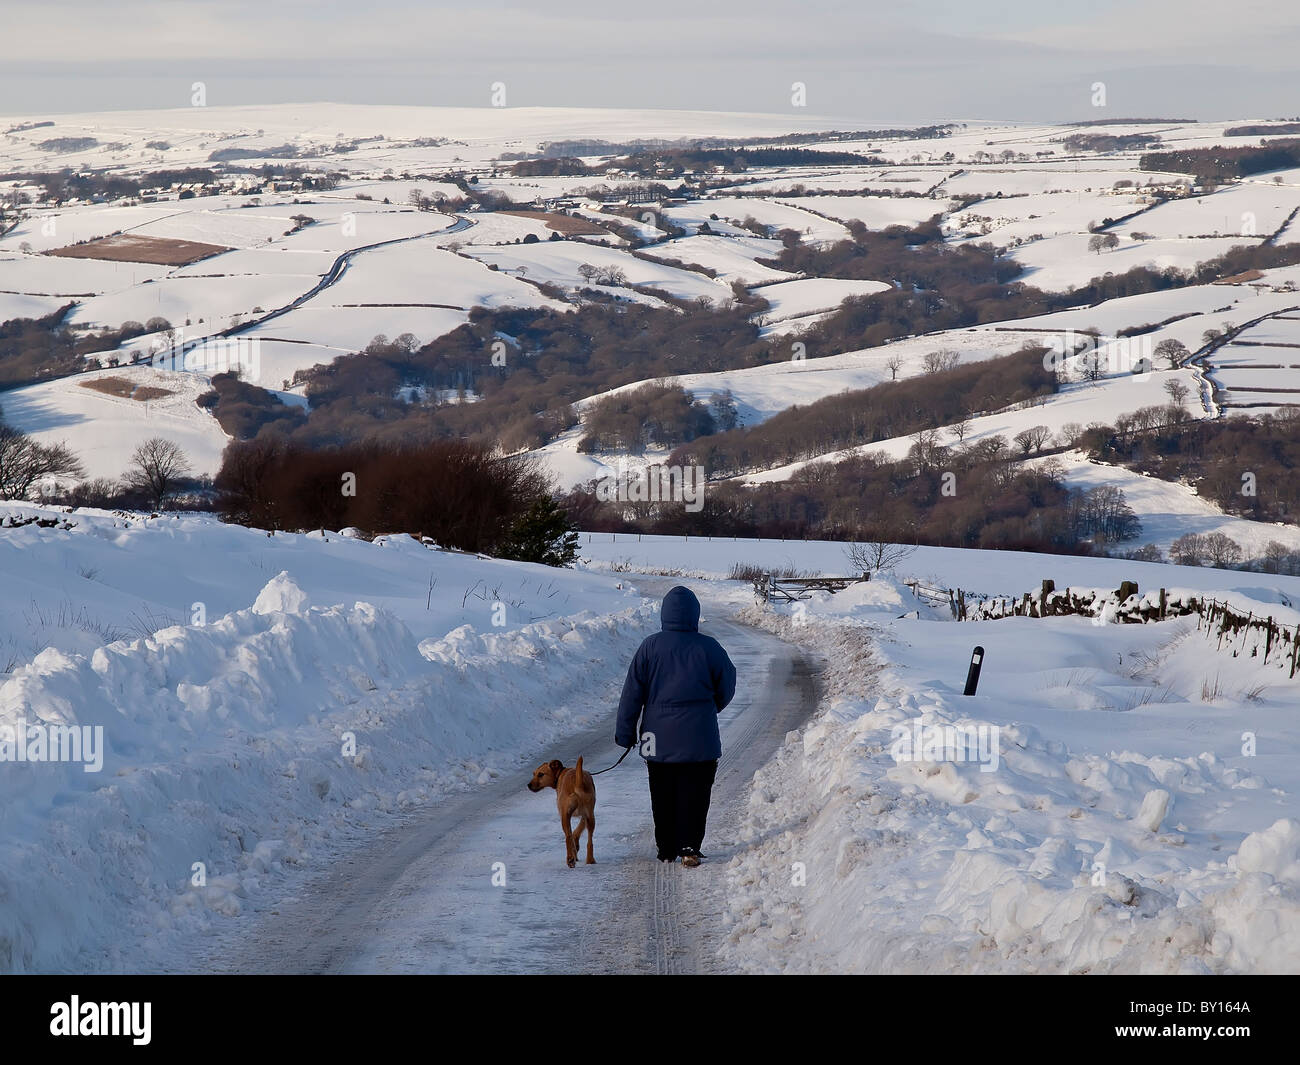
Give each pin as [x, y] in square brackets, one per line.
[422, 898]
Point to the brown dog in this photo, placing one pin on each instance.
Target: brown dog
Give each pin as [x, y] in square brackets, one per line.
[575, 793]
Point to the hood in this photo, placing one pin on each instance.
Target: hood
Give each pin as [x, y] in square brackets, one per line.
[680, 611]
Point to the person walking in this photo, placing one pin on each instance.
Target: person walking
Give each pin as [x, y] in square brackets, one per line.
[678, 683]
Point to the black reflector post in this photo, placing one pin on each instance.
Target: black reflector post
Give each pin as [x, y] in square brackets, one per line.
[973, 674]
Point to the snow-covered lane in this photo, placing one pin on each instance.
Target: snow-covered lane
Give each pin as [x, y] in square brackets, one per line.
[480, 884]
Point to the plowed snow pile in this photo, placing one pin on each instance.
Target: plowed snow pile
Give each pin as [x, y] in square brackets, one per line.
[215, 757]
[1133, 811]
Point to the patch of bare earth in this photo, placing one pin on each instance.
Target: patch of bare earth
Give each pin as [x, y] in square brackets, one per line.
[130, 248]
[125, 388]
[561, 223]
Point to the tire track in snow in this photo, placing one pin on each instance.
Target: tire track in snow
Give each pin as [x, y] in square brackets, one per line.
[685, 908]
[420, 898]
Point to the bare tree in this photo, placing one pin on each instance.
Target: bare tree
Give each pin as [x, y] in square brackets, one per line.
[1174, 352]
[1177, 392]
[1103, 514]
[1222, 550]
[877, 556]
[938, 361]
[1188, 550]
[1033, 438]
[1275, 556]
[894, 363]
[24, 461]
[1069, 434]
[959, 429]
[157, 467]
[1092, 366]
[926, 451]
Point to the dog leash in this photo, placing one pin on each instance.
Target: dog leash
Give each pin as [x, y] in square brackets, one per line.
[615, 765]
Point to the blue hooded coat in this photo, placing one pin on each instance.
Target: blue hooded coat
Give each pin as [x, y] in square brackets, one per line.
[678, 683]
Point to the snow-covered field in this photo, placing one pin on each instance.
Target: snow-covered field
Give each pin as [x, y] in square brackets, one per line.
[1251, 208]
[1260, 367]
[104, 429]
[774, 215]
[875, 212]
[347, 329]
[1077, 404]
[761, 391]
[797, 299]
[731, 257]
[22, 305]
[359, 259]
[420, 272]
[210, 301]
[1062, 262]
[981, 572]
[1169, 511]
[72, 278]
[559, 263]
[1033, 216]
[988, 181]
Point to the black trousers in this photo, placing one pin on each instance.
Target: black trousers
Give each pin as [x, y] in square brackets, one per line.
[679, 800]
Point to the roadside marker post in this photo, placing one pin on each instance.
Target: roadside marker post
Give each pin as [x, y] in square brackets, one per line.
[973, 674]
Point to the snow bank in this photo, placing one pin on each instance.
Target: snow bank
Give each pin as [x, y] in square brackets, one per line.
[79, 580]
[232, 751]
[1136, 842]
[282, 596]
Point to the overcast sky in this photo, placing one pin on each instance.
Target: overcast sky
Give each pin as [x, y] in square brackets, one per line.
[880, 62]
